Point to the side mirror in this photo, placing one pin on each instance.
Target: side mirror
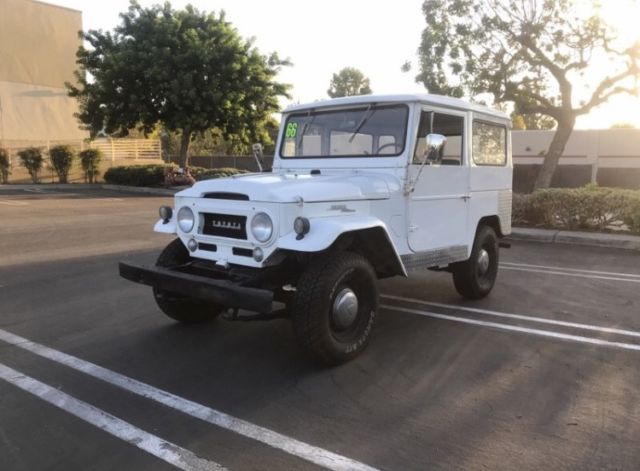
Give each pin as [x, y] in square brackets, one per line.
[434, 148]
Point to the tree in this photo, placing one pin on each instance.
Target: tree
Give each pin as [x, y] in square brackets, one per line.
[31, 159]
[531, 121]
[61, 160]
[188, 70]
[528, 52]
[348, 82]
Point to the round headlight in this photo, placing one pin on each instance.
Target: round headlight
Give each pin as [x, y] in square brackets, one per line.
[186, 219]
[261, 227]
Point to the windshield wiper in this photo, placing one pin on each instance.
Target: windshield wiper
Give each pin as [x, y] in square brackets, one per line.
[306, 124]
[368, 114]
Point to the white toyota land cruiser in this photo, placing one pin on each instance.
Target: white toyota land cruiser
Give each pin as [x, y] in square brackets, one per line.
[362, 188]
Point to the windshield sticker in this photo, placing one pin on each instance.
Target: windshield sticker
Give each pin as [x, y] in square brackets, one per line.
[292, 130]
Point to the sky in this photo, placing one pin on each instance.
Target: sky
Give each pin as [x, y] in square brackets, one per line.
[320, 38]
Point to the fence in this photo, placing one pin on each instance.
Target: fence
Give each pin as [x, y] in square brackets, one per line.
[115, 152]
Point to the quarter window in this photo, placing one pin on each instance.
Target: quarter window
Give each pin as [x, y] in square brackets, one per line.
[489, 144]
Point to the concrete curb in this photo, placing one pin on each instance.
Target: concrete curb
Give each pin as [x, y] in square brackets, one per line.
[51, 186]
[618, 241]
[141, 189]
[89, 186]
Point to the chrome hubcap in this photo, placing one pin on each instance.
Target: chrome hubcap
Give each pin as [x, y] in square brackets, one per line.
[483, 262]
[345, 309]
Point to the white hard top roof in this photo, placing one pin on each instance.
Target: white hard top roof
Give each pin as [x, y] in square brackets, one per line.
[437, 100]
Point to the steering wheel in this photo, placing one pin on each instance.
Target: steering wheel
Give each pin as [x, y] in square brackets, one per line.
[387, 145]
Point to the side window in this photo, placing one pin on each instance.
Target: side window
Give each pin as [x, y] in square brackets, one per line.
[452, 127]
[489, 144]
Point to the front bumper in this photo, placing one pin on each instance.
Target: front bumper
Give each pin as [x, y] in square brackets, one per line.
[219, 291]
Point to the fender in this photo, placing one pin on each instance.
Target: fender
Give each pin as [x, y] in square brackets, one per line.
[165, 228]
[323, 232]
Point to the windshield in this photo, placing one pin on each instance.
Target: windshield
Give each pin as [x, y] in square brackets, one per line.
[362, 131]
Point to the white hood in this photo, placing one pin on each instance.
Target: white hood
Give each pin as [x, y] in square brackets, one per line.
[289, 187]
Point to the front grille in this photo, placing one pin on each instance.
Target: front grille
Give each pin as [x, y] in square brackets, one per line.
[224, 225]
[223, 195]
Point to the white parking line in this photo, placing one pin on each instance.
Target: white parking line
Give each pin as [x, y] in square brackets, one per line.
[577, 270]
[13, 203]
[541, 320]
[313, 454]
[166, 451]
[565, 273]
[514, 328]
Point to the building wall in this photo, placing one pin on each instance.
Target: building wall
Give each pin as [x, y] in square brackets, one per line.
[609, 157]
[38, 43]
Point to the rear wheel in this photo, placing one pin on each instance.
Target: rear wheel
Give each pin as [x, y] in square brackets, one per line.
[474, 278]
[176, 306]
[335, 305]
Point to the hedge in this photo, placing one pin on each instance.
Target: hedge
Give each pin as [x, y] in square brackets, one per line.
[153, 175]
[591, 208]
[209, 173]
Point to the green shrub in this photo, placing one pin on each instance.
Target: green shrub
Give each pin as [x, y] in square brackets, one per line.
[5, 166]
[632, 213]
[32, 160]
[588, 208]
[137, 175]
[61, 161]
[207, 174]
[90, 161]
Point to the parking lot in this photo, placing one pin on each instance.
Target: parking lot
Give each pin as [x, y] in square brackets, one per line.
[541, 374]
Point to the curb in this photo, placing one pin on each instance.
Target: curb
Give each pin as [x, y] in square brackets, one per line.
[92, 186]
[555, 236]
[141, 189]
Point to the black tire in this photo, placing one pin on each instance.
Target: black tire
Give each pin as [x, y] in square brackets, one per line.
[471, 279]
[178, 307]
[324, 281]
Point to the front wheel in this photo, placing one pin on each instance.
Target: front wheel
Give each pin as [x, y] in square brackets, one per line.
[176, 306]
[334, 307]
[474, 278]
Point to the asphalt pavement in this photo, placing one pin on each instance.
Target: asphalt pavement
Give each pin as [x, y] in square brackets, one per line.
[541, 374]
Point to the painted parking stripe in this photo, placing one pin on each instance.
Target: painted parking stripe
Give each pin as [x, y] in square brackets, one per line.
[565, 273]
[576, 270]
[506, 315]
[515, 328]
[13, 203]
[313, 454]
[166, 451]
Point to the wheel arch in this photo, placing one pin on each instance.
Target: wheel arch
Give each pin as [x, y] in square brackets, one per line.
[492, 221]
[374, 244]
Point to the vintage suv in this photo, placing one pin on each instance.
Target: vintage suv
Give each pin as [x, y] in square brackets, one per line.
[362, 188]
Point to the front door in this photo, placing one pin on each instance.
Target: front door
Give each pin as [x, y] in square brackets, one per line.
[438, 208]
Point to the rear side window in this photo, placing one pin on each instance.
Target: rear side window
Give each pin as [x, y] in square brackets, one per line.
[489, 144]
